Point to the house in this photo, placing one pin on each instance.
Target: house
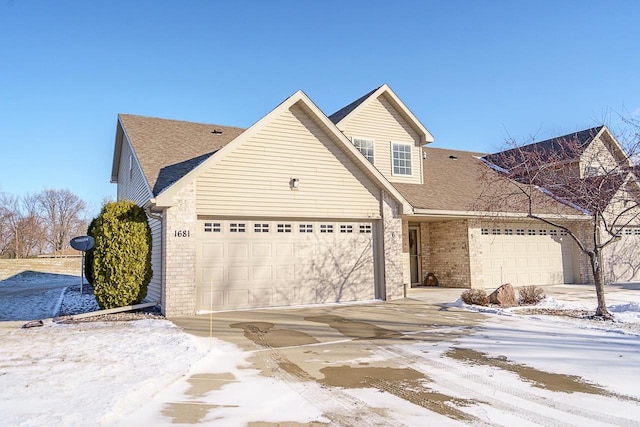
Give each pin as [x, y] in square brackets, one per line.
[304, 208]
[590, 169]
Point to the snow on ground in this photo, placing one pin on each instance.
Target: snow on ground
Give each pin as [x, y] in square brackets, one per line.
[119, 373]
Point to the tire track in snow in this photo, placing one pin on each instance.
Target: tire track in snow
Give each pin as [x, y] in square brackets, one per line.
[460, 376]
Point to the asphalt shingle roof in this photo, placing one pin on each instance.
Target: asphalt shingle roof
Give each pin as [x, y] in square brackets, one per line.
[344, 111]
[169, 149]
[457, 180]
[569, 146]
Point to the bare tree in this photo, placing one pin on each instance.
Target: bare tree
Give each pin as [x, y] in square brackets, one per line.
[594, 179]
[8, 213]
[21, 231]
[62, 213]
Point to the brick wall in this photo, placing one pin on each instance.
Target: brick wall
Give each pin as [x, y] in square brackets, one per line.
[448, 253]
[475, 254]
[393, 235]
[179, 287]
[424, 251]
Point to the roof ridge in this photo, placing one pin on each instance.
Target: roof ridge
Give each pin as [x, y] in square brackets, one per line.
[344, 111]
[178, 121]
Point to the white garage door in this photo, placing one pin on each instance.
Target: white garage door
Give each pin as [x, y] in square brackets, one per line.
[622, 258]
[532, 254]
[262, 263]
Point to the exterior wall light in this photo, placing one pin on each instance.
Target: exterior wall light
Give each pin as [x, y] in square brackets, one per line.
[294, 183]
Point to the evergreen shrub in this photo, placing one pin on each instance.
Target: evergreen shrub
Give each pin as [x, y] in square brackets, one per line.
[121, 258]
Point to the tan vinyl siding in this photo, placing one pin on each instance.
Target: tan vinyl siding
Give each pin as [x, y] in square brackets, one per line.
[132, 186]
[131, 182]
[380, 121]
[597, 155]
[253, 180]
[154, 291]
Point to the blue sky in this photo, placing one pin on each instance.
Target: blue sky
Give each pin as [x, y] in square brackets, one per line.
[474, 72]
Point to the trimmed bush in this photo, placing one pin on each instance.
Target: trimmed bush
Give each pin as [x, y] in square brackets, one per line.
[121, 257]
[475, 297]
[530, 295]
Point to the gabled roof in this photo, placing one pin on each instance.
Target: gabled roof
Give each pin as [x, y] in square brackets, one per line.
[568, 147]
[342, 116]
[344, 111]
[595, 193]
[164, 198]
[169, 149]
[454, 181]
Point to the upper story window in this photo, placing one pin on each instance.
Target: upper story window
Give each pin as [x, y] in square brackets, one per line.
[365, 146]
[590, 171]
[401, 156]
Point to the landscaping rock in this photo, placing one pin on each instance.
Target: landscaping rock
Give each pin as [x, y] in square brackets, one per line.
[504, 296]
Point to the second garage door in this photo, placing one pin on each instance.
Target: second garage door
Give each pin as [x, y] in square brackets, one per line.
[264, 263]
[530, 254]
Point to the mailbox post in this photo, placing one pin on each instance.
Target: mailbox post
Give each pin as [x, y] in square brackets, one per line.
[82, 244]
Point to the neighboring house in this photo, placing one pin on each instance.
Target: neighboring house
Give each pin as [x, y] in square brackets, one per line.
[599, 176]
[307, 208]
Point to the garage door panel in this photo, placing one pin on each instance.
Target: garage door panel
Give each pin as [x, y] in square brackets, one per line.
[537, 257]
[237, 273]
[283, 295]
[285, 249]
[212, 250]
[305, 249]
[305, 295]
[207, 299]
[304, 271]
[261, 250]
[622, 258]
[285, 272]
[261, 297]
[237, 250]
[284, 262]
[238, 297]
[262, 272]
[208, 274]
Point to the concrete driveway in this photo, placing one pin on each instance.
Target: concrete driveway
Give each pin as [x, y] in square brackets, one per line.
[338, 348]
[322, 344]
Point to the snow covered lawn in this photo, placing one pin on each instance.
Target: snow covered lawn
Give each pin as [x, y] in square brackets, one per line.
[512, 370]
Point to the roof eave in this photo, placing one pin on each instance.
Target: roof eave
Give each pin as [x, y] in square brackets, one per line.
[117, 151]
[437, 213]
[425, 135]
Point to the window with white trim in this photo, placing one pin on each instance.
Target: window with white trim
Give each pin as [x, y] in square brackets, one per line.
[283, 228]
[365, 228]
[306, 228]
[260, 228]
[236, 227]
[365, 146]
[553, 232]
[627, 232]
[401, 157]
[326, 228]
[532, 232]
[542, 232]
[636, 232]
[484, 231]
[346, 228]
[212, 227]
[520, 232]
[508, 231]
[496, 231]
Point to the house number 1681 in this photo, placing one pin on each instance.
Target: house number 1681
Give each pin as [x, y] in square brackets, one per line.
[181, 233]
